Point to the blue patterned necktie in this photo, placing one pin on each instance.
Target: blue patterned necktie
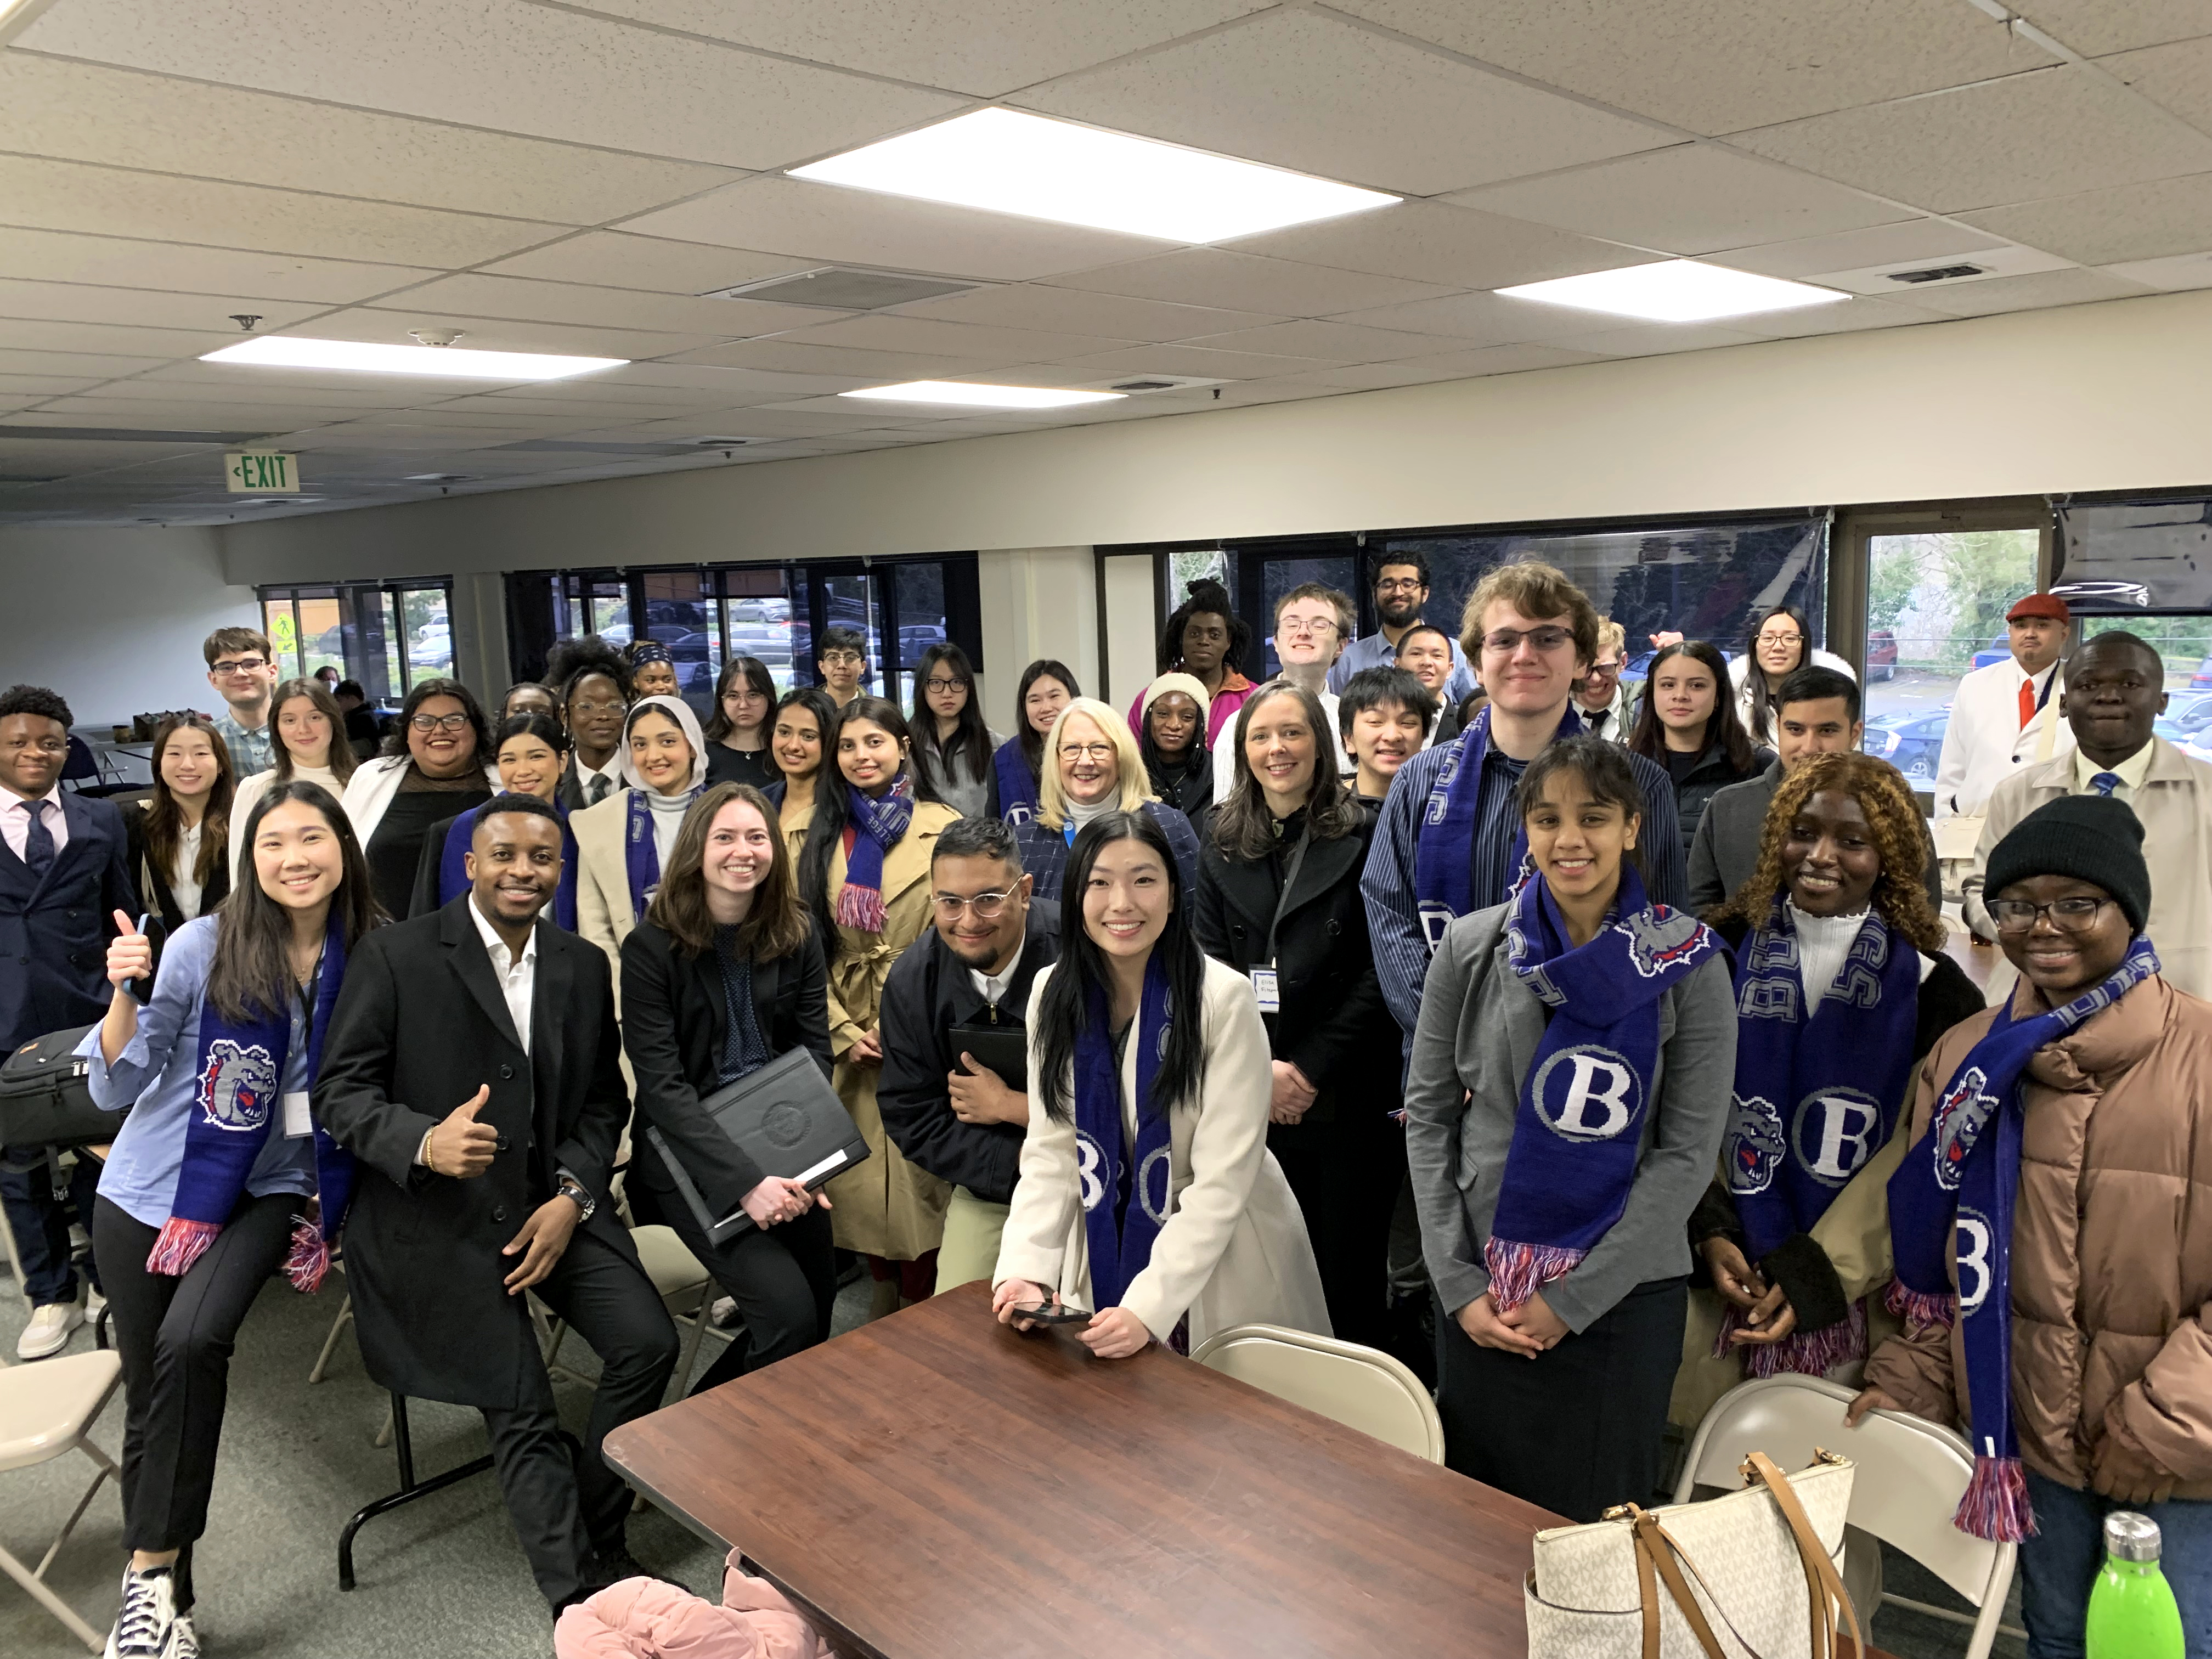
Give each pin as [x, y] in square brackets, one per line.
[38, 841]
[2105, 782]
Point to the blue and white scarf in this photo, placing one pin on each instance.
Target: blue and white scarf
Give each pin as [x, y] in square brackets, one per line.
[1578, 1127]
[640, 853]
[1018, 785]
[879, 824]
[1819, 1081]
[1444, 857]
[453, 869]
[237, 1103]
[1125, 1195]
[1950, 1230]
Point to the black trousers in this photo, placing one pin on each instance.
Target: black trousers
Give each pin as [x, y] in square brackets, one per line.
[783, 1278]
[1346, 1176]
[175, 1337]
[1577, 1429]
[569, 1504]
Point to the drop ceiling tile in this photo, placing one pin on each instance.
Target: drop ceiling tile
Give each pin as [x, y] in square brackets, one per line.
[830, 222]
[1655, 339]
[119, 262]
[733, 387]
[2093, 27]
[2107, 227]
[1717, 66]
[1244, 281]
[46, 195]
[876, 367]
[986, 47]
[1193, 359]
[1300, 89]
[103, 365]
[34, 336]
[265, 387]
[521, 68]
[2046, 288]
[806, 423]
[2004, 259]
[931, 335]
[606, 391]
[72, 302]
[1435, 242]
[608, 258]
[1452, 366]
[1911, 239]
[42, 386]
[123, 117]
[1693, 198]
[1336, 342]
[1061, 310]
[1476, 319]
[523, 300]
[503, 334]
[2053, 132]
[191, 416]
[1846, 317]
[2183, 270]
[2177, 76]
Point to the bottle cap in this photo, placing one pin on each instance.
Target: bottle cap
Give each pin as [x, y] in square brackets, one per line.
[2130, 1537]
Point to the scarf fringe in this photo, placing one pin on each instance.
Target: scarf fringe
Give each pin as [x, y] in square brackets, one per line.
[1804, 1353]
[309, 1261]
[1920, 1309]
[1517, 1272]
[181, 1243]
[861, 908]
[1995, 1506]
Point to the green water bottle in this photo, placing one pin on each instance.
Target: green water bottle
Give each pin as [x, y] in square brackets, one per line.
[2132, 1614]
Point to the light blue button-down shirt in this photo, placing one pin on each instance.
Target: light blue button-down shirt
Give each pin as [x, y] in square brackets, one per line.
[156, 1075]
[1375, 651]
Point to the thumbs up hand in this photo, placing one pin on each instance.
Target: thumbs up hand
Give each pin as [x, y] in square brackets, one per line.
[129, 953]
[460, 1147]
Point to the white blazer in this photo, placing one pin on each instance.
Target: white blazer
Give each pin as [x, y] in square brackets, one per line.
[1234, 1249]
[1740, 678]
[1985, 743]
[370, 791]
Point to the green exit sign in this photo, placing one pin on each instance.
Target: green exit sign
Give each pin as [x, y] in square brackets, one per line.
[257, 472]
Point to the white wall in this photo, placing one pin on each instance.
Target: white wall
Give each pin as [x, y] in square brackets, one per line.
[1035, 602]
[2099, 396]
[113, 619]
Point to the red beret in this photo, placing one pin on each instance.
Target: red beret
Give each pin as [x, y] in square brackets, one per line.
[2040, 605]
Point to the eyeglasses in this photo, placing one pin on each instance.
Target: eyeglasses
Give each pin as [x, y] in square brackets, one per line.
[2070, 915]
[587, 709]
[1076, 752]
[1782, 639]
[1400, 585]
[939, 688]
[239, 666]
[986, 906]
[1298, 627]
[840, 659]
[1506, 641]
[1600, 669]
[439, 722]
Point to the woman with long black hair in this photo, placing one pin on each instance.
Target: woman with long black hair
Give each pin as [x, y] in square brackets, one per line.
[1171, 738]
[1046, 687]
[624, 843]
[214, 1181]
[738, 733]
[864, 875]
[1147, 1195]
[800, 735]
[723, 975]
[1781, 644]
[530, 757]
[1278, 900]
[952, 747]
[179, 844]
[1688, 724]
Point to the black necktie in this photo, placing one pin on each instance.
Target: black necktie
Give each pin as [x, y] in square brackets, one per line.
[39, 843]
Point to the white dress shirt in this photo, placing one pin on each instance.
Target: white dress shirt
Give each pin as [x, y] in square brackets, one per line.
[612, 772]
[1985, 743]
[184, 883]
[16, 820]
[992, 988]
[518, 978]
[2130, 773]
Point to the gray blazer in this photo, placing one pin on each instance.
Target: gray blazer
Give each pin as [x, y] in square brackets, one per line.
[1477, 1037]
[1725, 850]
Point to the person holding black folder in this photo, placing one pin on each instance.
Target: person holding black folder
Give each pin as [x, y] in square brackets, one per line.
[724, 974]
[954, 1090]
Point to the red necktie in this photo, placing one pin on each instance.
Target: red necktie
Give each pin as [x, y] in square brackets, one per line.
[2026, 703]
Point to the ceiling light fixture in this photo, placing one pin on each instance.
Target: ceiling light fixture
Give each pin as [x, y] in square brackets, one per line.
[1007, 160]
[368, 356]
[1676, 291]
[967, 395]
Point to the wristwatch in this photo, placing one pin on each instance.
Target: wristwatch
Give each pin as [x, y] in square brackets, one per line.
[572, 1189]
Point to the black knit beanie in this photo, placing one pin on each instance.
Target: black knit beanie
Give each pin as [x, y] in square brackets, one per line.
[2092, 838]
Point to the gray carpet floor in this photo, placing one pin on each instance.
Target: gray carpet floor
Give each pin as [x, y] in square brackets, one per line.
[443, 1576]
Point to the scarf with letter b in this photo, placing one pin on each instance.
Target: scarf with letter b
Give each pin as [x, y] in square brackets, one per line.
[1443, 858]
[1125, 1196]
[1578, 1127]
[238, 1104]
[1950, 1225]
[879, 824]
[1818, 1081]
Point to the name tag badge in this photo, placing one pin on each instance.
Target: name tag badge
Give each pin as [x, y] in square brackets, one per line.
[1264, 988]
[297, 1119]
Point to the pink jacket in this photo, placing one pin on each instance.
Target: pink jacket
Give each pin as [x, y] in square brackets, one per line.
[647, 1619]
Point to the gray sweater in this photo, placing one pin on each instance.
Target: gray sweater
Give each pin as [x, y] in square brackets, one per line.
[1477, 1035]
[1725, 850]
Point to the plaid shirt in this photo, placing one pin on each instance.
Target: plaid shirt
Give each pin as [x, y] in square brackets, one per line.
[251, 749]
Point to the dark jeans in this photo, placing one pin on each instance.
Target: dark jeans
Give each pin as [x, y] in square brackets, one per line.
[38, 1217]
[1577, 1428]
[2058, 1564]
[175, 1337]
[1346, 1176]
[783, 1278]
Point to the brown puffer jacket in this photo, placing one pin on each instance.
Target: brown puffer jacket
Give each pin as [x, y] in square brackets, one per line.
[2112, 1245]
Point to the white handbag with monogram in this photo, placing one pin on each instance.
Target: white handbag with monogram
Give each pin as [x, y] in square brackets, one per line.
[1756, 1574]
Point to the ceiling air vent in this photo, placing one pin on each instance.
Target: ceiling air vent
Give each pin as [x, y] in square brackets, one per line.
[845, 287]
[1938, 274]
[1137, 385]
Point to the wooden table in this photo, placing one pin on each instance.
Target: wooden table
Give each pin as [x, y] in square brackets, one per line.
[935, 1484]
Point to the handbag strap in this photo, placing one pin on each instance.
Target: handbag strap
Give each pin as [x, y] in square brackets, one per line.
[1655, 1551]
[1823, 1583]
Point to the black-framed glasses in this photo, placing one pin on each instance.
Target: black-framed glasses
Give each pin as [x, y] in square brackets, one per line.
[939, 688]
[2076, 915]
[239, 666]
[1782, 639]
[1507, 641]
[986, 906]
[439, 722]
[1400, 585]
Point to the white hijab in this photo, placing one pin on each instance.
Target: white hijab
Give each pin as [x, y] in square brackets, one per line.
[680, 711]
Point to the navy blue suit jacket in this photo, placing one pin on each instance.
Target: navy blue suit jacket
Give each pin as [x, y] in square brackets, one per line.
[54, 932]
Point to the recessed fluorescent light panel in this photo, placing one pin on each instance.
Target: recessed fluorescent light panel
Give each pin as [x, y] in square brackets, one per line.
[366, 357]
[967, 395]
[1005, 160]
[1676, 291]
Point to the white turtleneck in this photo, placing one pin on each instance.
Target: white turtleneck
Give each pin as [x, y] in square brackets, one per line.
[668, 812]
[1823, 942]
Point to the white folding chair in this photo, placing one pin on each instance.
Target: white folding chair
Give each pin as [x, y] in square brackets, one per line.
[1362, 1389]
[1910, 1474]
[685, 1289]
[44, 1410]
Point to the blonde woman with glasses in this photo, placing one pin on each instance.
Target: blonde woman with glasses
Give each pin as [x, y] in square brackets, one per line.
[1092, 766]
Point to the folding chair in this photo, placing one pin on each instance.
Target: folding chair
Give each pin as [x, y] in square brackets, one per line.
[45, 1410]
[1362, 1389]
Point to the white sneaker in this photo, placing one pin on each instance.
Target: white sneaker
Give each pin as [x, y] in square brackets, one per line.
[93, 1301]
[188, 1638]
[48, 1332]
[146, 1628]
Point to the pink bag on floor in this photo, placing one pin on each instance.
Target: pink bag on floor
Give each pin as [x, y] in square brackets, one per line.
[645, 1619]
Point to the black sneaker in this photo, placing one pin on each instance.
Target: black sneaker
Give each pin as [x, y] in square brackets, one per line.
[146, 1628]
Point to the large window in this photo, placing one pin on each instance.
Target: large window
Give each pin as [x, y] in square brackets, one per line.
[386, 634]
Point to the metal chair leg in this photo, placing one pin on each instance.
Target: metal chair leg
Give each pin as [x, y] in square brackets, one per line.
[409, 1487]
[51, 1602]
[331, 1342]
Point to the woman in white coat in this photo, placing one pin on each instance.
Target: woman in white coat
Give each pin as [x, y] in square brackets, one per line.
[624, 843]
[1146, 1191]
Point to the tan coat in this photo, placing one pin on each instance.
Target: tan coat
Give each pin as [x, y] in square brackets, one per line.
[887, 1206]
[603, 912]
[2112, 1245]
[1234, 1248]
[2175, 806]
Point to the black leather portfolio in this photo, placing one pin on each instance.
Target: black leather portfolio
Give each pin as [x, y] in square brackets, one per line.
[1001, 1048]
[787, 1119]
